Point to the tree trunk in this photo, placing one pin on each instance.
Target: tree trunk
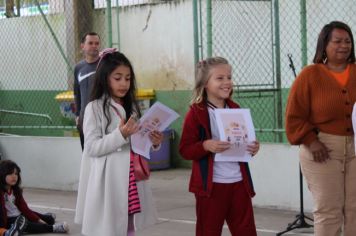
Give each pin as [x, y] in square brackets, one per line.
[9, 9]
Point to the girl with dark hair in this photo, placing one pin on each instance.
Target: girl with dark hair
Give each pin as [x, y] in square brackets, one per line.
[318, 118]
[110, 200]
[13, 205]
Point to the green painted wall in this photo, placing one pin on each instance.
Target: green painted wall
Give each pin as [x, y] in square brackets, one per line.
[43, 102]
[178, 101]
[36, 102]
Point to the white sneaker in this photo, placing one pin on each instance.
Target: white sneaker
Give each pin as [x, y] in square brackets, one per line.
[61, 228]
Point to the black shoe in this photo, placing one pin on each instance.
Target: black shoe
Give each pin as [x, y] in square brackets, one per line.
[13, 231]
[50, 214]
[49, 218]
[20, 223]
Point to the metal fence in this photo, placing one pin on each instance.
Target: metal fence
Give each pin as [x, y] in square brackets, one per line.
[40, 45]
[256, 36]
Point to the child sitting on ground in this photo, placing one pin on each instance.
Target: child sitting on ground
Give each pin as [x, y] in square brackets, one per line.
[13, 205]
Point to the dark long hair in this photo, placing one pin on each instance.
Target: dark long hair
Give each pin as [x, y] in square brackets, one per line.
[101, 88]
[8, 167]
[324, 39]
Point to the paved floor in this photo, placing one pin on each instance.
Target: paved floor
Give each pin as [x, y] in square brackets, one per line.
[175, 208]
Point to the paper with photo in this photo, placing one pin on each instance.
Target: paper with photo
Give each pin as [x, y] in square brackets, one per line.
[158, 117]
[235, 126]
[354, 121]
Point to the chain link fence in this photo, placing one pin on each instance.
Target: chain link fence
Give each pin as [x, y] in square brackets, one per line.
[256, 36]
[40, 44]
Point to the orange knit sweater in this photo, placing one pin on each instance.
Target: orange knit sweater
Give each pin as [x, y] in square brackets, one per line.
[317, 102]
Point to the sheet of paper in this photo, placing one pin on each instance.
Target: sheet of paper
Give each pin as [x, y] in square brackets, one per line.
[235, 126]
[354, 121]
[158, 117]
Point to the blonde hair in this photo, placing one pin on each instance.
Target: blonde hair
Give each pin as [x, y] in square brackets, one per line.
[202, 75]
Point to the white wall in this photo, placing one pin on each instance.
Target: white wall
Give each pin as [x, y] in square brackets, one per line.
[54, 163]
[275, 172]
[158, 39]
[46, 162]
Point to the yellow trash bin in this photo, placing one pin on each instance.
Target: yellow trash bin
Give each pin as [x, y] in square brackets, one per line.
[144, 97]
[67, 105]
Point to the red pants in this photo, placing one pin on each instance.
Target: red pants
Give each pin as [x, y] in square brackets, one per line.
[229, 202]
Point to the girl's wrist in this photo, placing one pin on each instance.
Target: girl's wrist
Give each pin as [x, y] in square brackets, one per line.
[204, 145]
[122, 133]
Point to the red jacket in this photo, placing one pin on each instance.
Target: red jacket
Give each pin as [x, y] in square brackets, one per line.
[21, 205]
[196, 130]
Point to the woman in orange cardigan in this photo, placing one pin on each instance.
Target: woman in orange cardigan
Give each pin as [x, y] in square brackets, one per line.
[318, 118]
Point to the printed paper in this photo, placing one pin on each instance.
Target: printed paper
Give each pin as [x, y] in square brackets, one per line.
[236, 127]
[158, 117]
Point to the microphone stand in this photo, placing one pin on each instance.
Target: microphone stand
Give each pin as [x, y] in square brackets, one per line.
[300, 221]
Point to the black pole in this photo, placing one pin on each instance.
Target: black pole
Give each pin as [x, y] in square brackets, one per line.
[299, 222]
[291, 64]
[301, 191]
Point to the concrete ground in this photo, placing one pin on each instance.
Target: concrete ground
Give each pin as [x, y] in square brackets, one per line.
[175, 206]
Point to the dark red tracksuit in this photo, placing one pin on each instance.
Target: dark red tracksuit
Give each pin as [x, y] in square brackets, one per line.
[216, 202]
